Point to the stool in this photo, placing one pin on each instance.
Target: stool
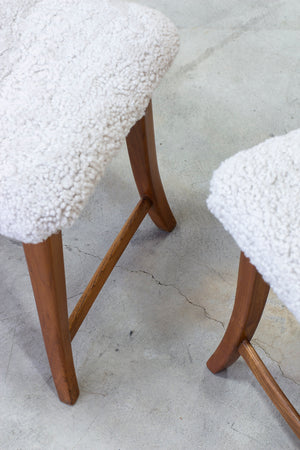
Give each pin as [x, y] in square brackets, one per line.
[256, 196]
[78, 76]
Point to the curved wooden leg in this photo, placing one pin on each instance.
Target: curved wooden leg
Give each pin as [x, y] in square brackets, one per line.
[142, 154]
[46, 268]
[251, 296]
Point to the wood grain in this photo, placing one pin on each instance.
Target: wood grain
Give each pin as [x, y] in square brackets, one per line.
[270, 386]
[109, 261]
[251, 296]
[46, 268]
[142, 155]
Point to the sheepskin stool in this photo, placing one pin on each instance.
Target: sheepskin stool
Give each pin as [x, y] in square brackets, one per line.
[256, 196]
[77, 78]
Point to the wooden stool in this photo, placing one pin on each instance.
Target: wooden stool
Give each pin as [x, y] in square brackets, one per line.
[79, 78]
[256, 196]
[46, 265]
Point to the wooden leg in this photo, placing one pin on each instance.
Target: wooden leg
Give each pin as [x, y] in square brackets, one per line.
[46, 268]
[251, 296]
[107, 264]
[270, 386]
[142, 154]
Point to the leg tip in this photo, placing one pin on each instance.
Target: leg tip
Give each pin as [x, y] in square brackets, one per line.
[69, 396]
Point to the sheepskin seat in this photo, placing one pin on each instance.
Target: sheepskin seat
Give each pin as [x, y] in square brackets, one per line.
[75, 76]
[256, 196]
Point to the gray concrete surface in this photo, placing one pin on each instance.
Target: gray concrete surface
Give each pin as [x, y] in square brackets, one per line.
[234, 83]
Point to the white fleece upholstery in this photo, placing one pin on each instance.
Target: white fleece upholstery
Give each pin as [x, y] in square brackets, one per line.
[256, 196]
[75, 76]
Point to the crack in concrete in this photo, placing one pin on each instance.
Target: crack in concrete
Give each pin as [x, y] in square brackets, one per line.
[245, 434]
[68, 247]
[5, 76]
[11, 351]
[260, 345]
[207, 315]
[75, 295]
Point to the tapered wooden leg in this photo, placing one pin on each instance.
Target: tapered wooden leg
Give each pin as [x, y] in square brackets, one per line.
[251, 296]
[46, 268]
[142, 154]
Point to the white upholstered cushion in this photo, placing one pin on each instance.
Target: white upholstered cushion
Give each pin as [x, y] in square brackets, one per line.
[75, 76]
[256, 196]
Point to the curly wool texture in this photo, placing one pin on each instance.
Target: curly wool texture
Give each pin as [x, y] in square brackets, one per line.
[256, 196]
[75, 77]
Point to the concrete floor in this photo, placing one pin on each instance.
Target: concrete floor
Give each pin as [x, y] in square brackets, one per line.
[141, 353]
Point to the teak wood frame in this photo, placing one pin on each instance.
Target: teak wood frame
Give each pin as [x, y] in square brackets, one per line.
[251, 296]
[46, 265]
